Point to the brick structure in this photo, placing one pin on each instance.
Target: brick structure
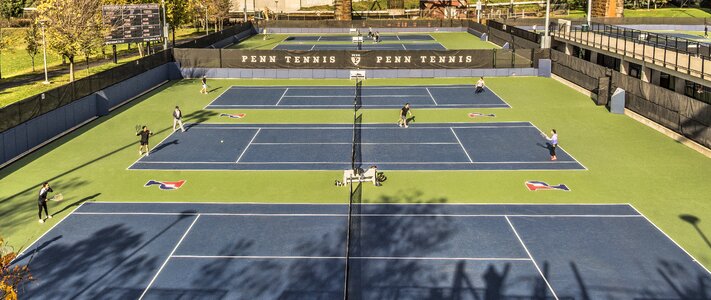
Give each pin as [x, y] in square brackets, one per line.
[607, 8]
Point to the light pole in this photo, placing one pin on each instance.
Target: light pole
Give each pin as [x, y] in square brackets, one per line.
[276, 9]
[589, 13]
[165, 27]
[245, 11]
[44, 53]
[545, 40]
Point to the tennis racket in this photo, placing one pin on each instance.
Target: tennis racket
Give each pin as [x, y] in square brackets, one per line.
[138, 128]
[57, 197]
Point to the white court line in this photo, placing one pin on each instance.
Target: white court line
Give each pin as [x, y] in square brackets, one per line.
[218, 97]
[672, 240]
[352, 257]
[433, 99]
[368, 204]
[312, 47]
[375, 106]
[250, 143]
[370, 162]
[460, 144]
[358, 215]
[282, 97]
[403, 47]
[346, 126]
[351, 96]
[22, 251]
[151, 149]
[349, 143]
[319, 38]
[500, 98]
[168, 258]
[561, 148]
[531, 257]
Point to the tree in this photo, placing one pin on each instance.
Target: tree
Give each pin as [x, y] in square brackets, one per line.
[11, 8]
[32, 38]
[10, 276]
[220, 10]
[73, 27]
[177, 13]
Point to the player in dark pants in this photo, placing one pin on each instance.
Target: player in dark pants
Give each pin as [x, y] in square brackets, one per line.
[145, 134]
[552, 143]
[404, 112]
[42, 201]
[479, 86]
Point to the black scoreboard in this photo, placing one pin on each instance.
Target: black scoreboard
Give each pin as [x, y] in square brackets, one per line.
[132, 23]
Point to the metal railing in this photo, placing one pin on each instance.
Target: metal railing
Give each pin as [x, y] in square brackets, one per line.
[677, 53]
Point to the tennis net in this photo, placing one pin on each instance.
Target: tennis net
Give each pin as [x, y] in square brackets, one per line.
[351, 284]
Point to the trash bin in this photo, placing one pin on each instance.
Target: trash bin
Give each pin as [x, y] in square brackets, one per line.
[585, 28]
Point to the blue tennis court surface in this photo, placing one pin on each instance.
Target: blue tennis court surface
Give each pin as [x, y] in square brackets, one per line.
[427, 146]
[325, 97]
[364, 46]
[348, 38]
[410, 251]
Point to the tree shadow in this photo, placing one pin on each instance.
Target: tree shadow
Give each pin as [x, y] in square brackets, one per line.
[112, 255]
[77, 203]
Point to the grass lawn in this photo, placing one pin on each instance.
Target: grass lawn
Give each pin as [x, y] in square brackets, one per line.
[669, 12]
[15, 62]
[627, 161]
[450, 40]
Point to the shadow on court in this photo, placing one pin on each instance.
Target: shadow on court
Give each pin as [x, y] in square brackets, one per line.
[114, 261]
[694, 221]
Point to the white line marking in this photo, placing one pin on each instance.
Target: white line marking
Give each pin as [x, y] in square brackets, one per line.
[168, 258]
[282, 97]
[218, 97]
[531, 257]
[312, 47]
[250, 143]
[669, 237]
[351, 96]
[561, 148]
[371, 162]
[159, 143]
[460, 144]
[352, 257]
[319, 38]
[359, 215]
[500, 98]
[403, 47]
[349, 143]
[227, 106]
[433, 99]
[22, 251]
[349, 127]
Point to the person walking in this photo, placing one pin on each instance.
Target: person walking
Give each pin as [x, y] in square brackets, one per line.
[177, 119]
[42, 202]
[145, 134]
[204, 85]
[552, 143]
[404, 112]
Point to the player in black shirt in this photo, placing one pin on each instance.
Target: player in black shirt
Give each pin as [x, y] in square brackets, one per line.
[404, 111]
[145, 134]
[42, 201]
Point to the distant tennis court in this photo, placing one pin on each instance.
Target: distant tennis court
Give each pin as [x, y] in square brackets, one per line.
[348, 38]
[325, 97]
[364, 46]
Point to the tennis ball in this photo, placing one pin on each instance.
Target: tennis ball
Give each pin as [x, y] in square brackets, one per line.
[221, 141]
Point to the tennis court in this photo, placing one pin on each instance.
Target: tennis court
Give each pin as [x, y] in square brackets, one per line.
[383, 251]
[334, 97]
[348, 38]
[364, 46]
[431, 146]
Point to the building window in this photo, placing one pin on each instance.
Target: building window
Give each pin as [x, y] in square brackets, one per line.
[635, 70]
[666, 81]
[698, 92]
[608, 62]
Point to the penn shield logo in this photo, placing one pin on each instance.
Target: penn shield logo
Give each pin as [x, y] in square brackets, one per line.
[540, 185]
[233, 116]
[166, 185]
[355, 59]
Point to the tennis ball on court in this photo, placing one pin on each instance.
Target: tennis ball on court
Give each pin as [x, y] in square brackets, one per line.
[221, 141]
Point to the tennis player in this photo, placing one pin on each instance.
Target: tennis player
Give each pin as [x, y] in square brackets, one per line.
[204, 85]
[177, 116]
[404, 112]
[145, 134]
[553, 142]
[42, 201]
[479, 85]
